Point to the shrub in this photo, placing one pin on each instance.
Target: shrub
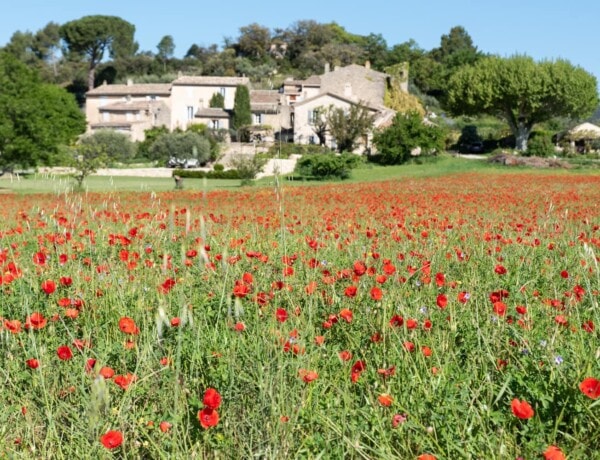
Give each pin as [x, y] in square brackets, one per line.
[327, 166]
[407, 133]
[284, 150]
[218, 167]
[117, 147]
[248, 166]
[195, 174]
[540, 144]
[181, 145]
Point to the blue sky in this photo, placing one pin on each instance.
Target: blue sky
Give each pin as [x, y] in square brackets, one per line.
[543, 29]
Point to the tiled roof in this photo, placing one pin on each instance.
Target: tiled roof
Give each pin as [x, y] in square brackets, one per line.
[211, 81]
[210, 112]
[139, 89]
[264, 100]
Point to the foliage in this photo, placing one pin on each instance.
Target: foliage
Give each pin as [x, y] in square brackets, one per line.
[150, 136]
[182, 145]
[395, 97]
[117, 147]
[242, 115]
[166, 47]
[540, 144]
[327, 166]
[284, 150]
[91, 36]
[405, 135]
[35, 118]
[214, 137]
[86, 159]
[348, 126]
[217, 100]
[247, 166]
[523, 92]
[215, 174]
[254, 41]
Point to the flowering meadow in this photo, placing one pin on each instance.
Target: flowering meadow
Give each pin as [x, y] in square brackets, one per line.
[450, 317]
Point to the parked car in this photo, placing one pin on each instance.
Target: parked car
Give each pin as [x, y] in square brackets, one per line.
[183, 163]
[473, 147]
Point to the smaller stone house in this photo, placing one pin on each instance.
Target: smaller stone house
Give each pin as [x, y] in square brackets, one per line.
[130, 108]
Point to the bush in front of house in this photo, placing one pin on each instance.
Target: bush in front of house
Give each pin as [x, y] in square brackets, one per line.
[540, 144]
[117, 147]
[327, 166]
[195, 174]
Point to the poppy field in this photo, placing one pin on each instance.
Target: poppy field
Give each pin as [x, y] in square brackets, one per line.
[448, 317]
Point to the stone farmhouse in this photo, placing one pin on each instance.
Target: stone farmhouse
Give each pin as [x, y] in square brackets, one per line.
[288, 113]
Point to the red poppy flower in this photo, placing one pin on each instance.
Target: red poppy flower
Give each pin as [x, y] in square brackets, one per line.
[346, 315]
[553, 453]
[127, 326]
[385, 399]
[376, 293]
[522, 409]
[590, 387]
[33, 363]
[112, 439]
[588, 326]
[64, 353]
[396, 321]
[165, 426]
[307, 376]
[440, 279]
[350, 291]
[106, 372]
[125, 380]
[208, 417]
[345, 355]
[442, 301]
[212, 398]
[564, 274]
[500, 308]
[463, 297]
[281, 315]
[426, 457]
[66, 281]
[48, 286]
[500, 270]
[35, 321]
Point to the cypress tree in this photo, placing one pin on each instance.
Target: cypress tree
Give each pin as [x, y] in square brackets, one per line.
[242, 115]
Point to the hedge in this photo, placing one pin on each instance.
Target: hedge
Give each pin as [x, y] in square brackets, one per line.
[194, 174]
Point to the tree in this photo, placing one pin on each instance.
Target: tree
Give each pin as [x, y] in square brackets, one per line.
[522, 92]
[254, 41]
[247, 166]
[166, 49]
[91, 36]
[242, 115]
[217, 100]
[319, 124]
[86, 159]
[116, 146]
[182, 145]
[35, 118]
[348, 126]
[407, 135]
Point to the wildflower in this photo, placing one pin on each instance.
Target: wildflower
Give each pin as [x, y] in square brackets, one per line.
[442, 301]
[346, 315]
[345, 355]
[112, 439]
[376, 293]
[522, 409]
[307, 376]
[127, 326]
[125, 380]
[208, 417]
[558, 360]
[48, 286]
[350, 291]
[33, 363]
[165, 427]
[211, 399]
[385, 399]
[553, 453]
[64, 353]
[398, 419]
[281, 315]
[590, 387]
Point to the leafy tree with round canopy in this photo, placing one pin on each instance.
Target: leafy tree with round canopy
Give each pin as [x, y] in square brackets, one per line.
[35, 118]
[91, 36]
[182, 145]
[522, 92]
[115, 145]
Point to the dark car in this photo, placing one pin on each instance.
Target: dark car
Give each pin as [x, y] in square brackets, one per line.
[473, 147]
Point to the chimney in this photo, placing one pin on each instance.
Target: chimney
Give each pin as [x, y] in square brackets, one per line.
[367, 64]
[327, 67]
[129, 82]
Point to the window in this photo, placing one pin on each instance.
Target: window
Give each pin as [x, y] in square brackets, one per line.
[152, 97]
[311, 140]
[258, 118]
[312, 116]
[214, 124]
[222, 91]
[105, 116]
[190, 113]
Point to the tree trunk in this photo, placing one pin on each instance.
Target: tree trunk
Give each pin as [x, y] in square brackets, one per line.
[521, 135]
[91, 77]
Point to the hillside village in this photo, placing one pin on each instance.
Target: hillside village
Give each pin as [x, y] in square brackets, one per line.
[288, 113]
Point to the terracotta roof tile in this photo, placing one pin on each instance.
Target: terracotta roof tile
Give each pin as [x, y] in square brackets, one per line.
[211, 81]
[133, 89]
